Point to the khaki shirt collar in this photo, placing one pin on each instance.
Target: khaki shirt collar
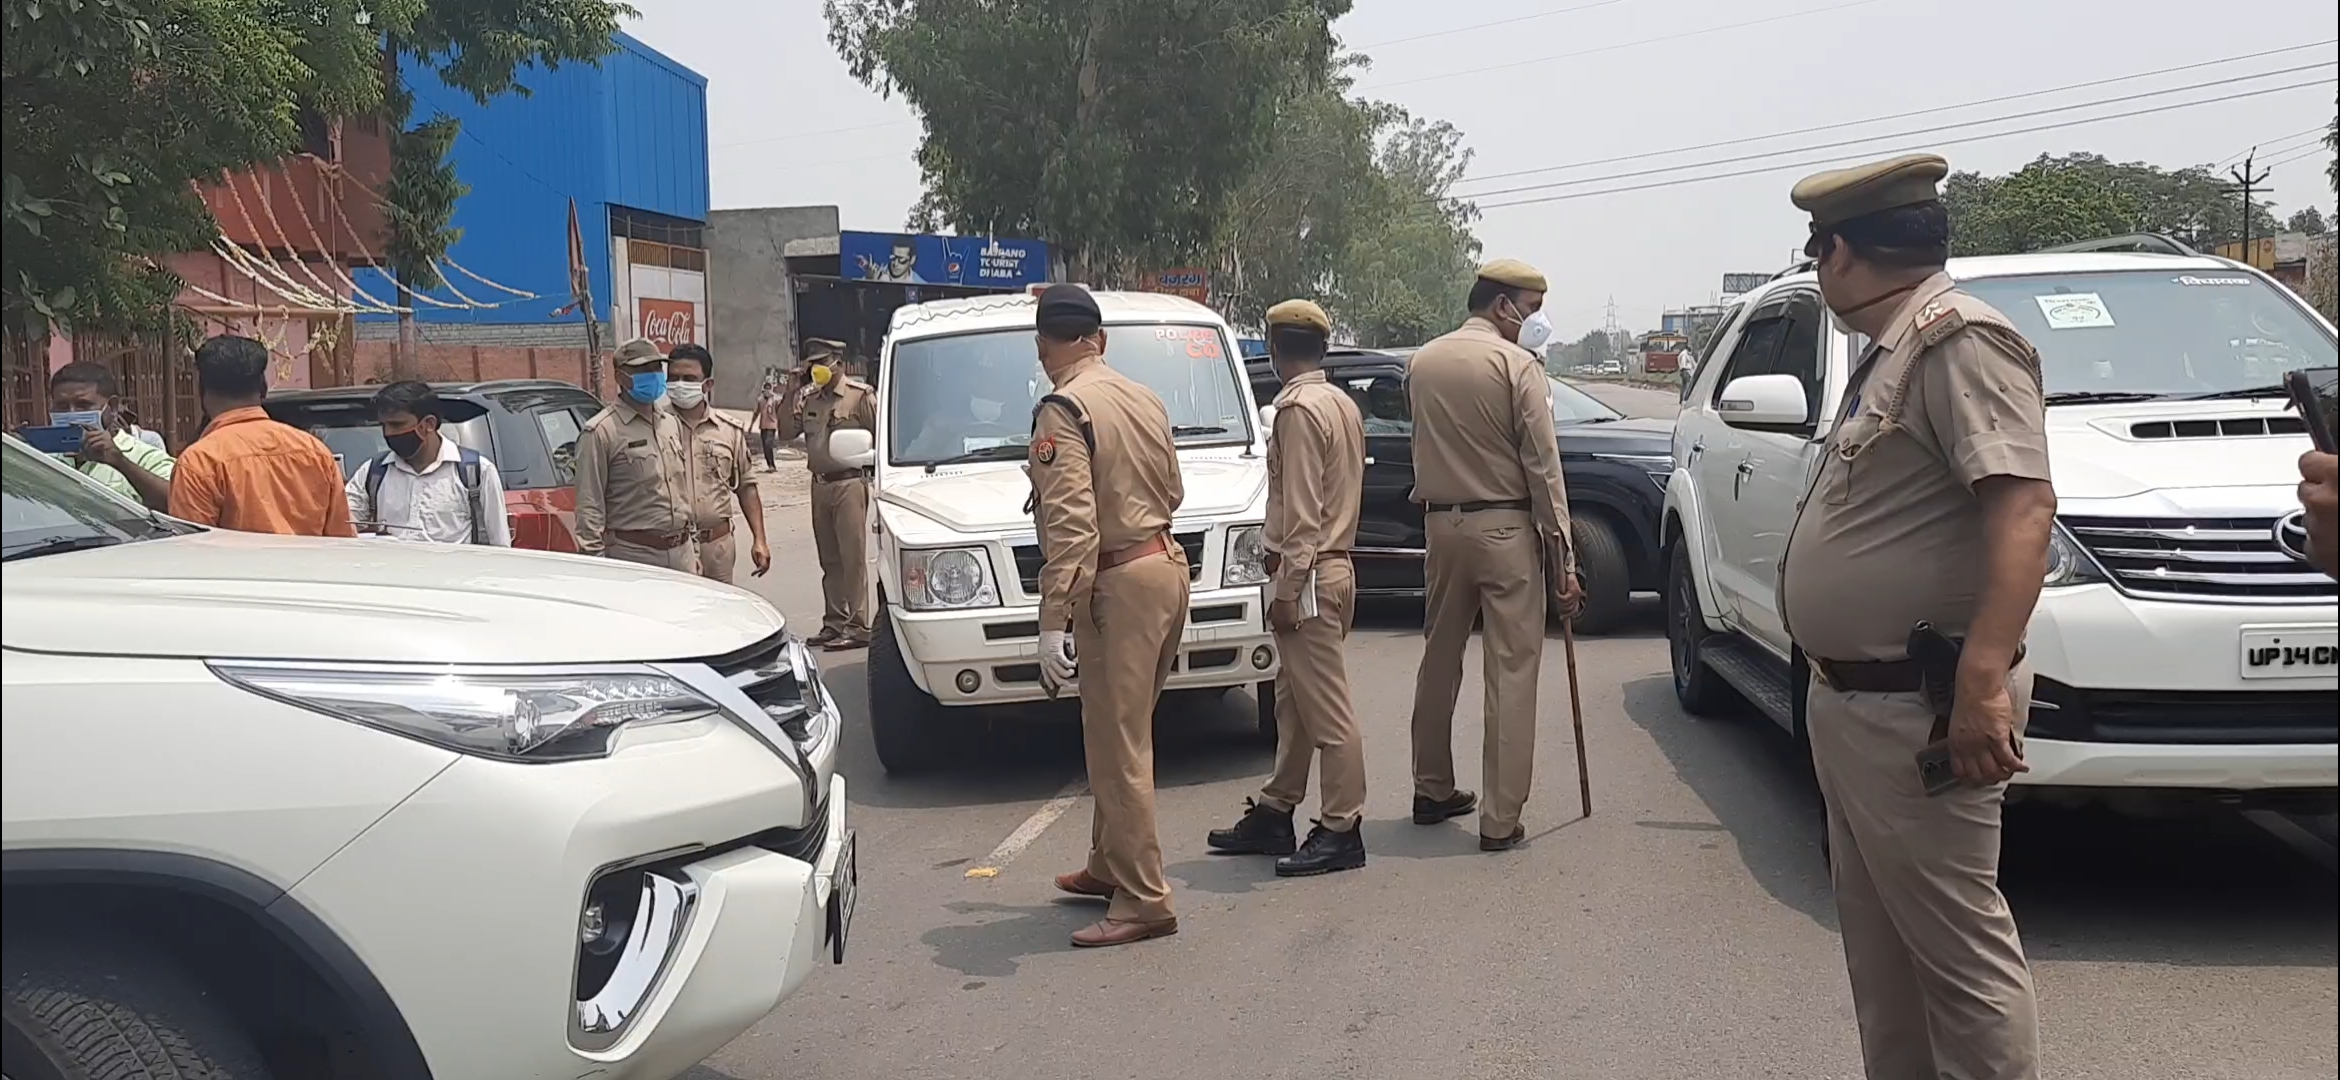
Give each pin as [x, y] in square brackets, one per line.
[1079, 368]
[1316, 377]
[1905, 314]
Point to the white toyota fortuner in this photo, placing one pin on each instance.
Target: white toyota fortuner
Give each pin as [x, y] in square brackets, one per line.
[958, 563]
[2183, 647]
[312, 809]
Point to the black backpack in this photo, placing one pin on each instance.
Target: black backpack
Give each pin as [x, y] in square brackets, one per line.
[466, 468]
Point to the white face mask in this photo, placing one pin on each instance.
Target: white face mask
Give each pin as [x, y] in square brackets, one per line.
[1536, 332]
[687, 395]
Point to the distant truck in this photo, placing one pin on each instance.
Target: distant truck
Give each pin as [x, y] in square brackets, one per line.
[1662, 352]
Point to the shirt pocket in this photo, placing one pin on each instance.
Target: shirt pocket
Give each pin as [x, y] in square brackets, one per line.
[1843, 468]
[718, 466]
[637, 463]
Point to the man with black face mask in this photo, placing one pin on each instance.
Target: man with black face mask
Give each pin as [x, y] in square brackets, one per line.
[425, 487]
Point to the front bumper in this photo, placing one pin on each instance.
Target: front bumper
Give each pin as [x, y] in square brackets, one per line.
[465, 902]
[1224, 641]
[2139, 693]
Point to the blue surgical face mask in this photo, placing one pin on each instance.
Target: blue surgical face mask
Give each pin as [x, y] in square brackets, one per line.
[88, 418]
[647, 386]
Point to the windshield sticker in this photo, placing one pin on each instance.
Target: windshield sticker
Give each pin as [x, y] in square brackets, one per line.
[1202, 342]
[2074, 311]
[2189, 279]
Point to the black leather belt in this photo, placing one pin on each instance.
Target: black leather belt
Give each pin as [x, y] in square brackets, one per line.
[1868, 676]
[1475, 507]
[838, 476]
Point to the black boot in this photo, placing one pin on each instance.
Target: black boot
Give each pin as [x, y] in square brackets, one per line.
[1325, 852]
[1264, 830]
[1428, 811]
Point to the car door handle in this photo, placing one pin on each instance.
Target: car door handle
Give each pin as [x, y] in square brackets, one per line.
[1739, 482]
[1747, 468]
[1697, 448]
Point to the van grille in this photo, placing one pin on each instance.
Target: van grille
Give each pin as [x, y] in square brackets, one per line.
[1029, 560]
[2199, 558]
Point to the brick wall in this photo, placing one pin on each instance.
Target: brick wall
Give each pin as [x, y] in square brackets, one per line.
[445, 362]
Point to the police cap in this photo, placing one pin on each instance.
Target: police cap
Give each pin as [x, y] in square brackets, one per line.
[815, 348]
[1514, 273]
[639, 352]
[1300, 314]
[1839, 196]
[1069, 303]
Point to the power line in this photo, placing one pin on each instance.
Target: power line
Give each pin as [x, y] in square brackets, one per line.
[1662, 39]
[1903, 134]
[1497, 22]
[1825, 161]
[1904, 115]
[2238, 155]
[2302, 155]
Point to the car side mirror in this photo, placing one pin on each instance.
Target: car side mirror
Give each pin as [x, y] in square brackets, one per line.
[1267, 418]
[1764, 401]
[853, 447]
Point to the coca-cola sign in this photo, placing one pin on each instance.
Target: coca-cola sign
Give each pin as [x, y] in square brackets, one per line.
[667, 322]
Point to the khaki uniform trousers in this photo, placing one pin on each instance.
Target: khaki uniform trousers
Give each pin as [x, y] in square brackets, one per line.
[679, 557]
[719, 559]
[1126, 641]
[1939, 980]
[1313, 712]
[840, 521]
[1489, 563]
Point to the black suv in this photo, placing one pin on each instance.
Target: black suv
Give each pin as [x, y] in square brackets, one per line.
[1615, 469]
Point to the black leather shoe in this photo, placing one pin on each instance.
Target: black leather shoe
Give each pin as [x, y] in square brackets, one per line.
[1325, 852]
[1264, 830]
[1428, 811]
[1503, 843]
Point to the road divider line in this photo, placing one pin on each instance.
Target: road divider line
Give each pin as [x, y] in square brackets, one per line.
[1030, 830]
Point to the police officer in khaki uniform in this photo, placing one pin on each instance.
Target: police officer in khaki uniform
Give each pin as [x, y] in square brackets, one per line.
[1316, 480]
[1113, 594]
[633, 480]
[721, 472]
[1487, 473]
[834, 401]
[1930, 504]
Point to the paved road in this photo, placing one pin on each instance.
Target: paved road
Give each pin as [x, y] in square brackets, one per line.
[1683, 931]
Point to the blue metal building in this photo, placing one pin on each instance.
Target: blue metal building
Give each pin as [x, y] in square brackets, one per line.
[627, 139]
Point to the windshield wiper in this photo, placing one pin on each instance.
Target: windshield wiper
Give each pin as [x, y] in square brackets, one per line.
[1002, 452]
[1197, 429]
[2099, 397]
[2247, 392]
[51, 545]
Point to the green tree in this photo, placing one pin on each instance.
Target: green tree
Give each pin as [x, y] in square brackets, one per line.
[1118, 129]
[2056, 200]
[1287, 225]
[1405, 275]
[418, 207]
[111, 111]
[2310, 221]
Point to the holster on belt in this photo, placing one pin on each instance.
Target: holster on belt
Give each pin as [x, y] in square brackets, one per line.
[1936, 655]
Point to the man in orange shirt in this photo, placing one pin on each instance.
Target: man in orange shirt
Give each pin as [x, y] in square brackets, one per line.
[246, 471]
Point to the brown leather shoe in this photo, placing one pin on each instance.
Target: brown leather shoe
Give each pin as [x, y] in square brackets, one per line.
[1109, 932]
[845, 643]
[1083, 883]
[826, 636]
[1503, 843]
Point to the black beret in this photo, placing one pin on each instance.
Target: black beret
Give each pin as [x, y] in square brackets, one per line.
[1067, 301]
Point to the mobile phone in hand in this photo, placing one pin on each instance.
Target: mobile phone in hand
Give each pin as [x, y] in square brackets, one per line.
[53, 438]
[1934, 771]
[2313, 394]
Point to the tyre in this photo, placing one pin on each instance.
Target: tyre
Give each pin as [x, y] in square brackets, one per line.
[1696, 686]
[1606, 573]
[114, 1014]
[906, 723]
[1266, 692]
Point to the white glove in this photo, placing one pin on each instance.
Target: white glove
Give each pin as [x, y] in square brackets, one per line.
[1056, 655]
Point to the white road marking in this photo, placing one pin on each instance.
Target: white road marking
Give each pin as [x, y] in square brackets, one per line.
[1030, 830]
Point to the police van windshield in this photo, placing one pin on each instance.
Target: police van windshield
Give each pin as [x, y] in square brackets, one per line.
[970, 396]
[2137, 334]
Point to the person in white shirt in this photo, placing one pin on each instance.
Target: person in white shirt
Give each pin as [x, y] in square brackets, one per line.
[426, 488]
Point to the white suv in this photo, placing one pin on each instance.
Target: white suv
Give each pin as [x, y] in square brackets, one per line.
[2182, 645]
[299, 808]
[958, 564]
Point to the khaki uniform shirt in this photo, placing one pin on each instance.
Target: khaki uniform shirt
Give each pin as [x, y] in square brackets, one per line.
[631, 474]
[719, 466]
[1888, 533]
[1316, 478]
[1087, 504]
[1483, 428]
[845, 403]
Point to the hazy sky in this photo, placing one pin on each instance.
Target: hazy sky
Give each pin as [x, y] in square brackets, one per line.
[1614, 78]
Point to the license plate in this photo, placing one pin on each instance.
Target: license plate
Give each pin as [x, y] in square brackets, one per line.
[2290, 652]
[843, 891]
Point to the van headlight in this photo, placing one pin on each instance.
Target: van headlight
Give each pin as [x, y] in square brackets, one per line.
[1246, 556]
[2067, 563]
[943, 578]
[512, 716]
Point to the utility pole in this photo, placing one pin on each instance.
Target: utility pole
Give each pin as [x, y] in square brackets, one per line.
[2249, 181]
